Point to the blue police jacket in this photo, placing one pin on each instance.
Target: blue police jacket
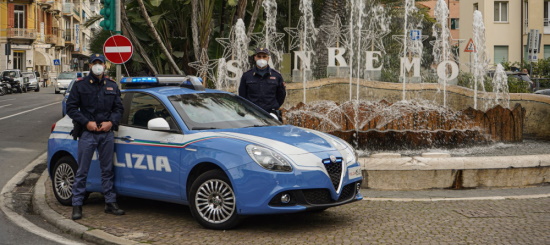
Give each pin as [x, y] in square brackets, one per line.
[267, 91]
[96, 100]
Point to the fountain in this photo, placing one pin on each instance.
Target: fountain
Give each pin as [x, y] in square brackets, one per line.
[441, 47]
[410, 124]
[391, 123]
[480, 63]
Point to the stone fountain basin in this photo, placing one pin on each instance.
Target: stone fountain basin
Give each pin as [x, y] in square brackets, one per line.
[408, 125]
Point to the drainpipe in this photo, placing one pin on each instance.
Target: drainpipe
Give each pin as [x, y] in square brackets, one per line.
[522, 50]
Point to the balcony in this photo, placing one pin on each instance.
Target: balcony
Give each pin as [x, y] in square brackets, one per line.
[60, 41]
[22, 1]
[51, 38]
[20, 33]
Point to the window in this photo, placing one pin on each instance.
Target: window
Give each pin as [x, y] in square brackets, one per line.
[454, 24]
[546, 51]
[19, 16]
[501, 54]
[501, 11]
[18, 60]
[145, 107]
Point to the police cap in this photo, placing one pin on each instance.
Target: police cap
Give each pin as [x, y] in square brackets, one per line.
[95, 57]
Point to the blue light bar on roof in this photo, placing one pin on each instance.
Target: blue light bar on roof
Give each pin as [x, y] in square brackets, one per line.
[139, 80]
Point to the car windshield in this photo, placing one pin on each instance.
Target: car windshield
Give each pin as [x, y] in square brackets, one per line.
[69, 75]
[8, 74]
[29, 75]
[219, 111]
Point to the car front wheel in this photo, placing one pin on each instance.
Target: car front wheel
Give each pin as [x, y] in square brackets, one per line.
[213, 202]
[64, 174]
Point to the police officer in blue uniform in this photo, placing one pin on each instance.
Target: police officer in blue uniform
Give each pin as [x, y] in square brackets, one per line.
[263, 85]
[95, 105]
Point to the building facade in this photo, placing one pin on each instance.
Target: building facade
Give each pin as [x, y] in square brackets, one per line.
[507, 24]
[46, 35]
[453, 18]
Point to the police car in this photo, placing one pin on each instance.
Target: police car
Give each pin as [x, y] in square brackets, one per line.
[214, 151]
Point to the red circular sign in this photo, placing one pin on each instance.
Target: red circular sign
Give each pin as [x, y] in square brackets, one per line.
[118, 49]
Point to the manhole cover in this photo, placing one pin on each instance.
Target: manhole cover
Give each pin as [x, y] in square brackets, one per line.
[483, 213]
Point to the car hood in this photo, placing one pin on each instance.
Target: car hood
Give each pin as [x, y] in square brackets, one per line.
[279, 137]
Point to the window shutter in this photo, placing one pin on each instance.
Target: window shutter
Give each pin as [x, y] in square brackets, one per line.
[11, 15]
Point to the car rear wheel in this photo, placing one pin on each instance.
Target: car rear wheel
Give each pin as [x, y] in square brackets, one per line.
[64, 174]
[213, 202]
[37, 88]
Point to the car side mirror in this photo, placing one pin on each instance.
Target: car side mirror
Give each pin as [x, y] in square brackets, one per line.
[159, 124]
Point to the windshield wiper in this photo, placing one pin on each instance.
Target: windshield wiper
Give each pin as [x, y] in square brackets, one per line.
[202, 128]
[255, 126]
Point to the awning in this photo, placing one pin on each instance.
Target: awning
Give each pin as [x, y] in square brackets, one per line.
[42, 59]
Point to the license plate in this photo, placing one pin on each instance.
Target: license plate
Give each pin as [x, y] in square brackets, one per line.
[354, 172]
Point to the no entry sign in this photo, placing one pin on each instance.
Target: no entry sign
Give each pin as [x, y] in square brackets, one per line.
[118, 49]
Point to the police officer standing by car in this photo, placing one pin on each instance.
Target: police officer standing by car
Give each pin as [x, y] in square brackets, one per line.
[263, 85]
[95, 106]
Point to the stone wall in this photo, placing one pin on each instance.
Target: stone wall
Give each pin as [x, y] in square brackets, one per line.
[537, 107]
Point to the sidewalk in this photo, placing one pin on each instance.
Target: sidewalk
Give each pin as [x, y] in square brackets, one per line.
[164, 223]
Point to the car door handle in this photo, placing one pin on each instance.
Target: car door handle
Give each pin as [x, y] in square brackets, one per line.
[128, 138]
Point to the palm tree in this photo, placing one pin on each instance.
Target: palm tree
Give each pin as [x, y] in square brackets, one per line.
[155, 34]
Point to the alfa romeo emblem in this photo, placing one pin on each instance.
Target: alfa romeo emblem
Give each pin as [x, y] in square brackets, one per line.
[332, 159]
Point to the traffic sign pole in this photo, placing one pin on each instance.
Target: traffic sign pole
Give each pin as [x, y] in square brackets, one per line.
[118, 67]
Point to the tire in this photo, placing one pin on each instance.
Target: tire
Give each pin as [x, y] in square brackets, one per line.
[37, 89]
[64, 174]
[3, 91]
[212, 201]
[57, 92]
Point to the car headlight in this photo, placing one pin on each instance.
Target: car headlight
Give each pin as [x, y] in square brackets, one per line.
[349, 154]
[268, 159]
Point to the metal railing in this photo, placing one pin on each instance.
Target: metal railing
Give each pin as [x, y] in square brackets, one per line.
[21, 33]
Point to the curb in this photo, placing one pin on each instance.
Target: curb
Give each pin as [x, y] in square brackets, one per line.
[68, 225]
[438, 199]
[19, 220]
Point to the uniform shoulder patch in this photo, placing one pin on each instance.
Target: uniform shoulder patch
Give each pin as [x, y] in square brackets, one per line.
[79, 79]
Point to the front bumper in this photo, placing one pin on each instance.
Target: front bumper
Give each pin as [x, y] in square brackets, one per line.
[261, 191]
[313, 199]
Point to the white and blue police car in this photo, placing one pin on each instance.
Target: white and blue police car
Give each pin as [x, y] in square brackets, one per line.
[214, 151]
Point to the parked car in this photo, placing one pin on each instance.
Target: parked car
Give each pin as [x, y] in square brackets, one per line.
[64, 79]
[522, 77]
[33, 81]
[543, 92]
[19, 82]
[65, 97]
[212, 150]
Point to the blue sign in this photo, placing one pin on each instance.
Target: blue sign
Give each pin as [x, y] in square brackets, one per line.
[56, 62]
[415, 34]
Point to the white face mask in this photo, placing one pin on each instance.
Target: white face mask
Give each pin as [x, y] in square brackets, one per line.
[261, 63]
[98, 69]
